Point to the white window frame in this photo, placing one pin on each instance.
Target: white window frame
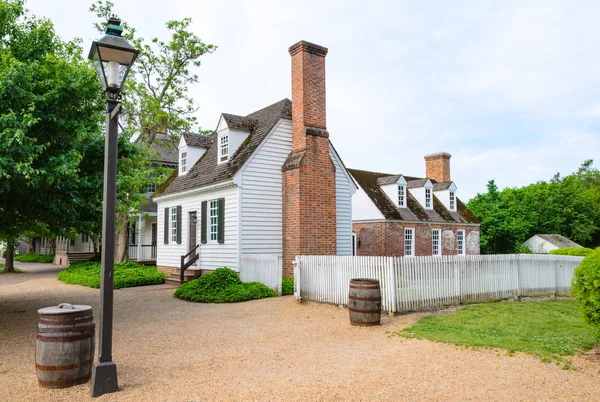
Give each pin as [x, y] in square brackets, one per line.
[402, 196]
[223, 147]
[173, 225]
[412, 241]
[452, 200]
[183, 162]
[213, 221]
[436, 250]
[428, 198]
[460, 243]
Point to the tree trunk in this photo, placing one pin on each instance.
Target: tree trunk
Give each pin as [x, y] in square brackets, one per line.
[9, 264]
[121, 252]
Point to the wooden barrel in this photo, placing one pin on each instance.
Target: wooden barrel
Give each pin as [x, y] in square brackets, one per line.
[364, 302]
[64, 351]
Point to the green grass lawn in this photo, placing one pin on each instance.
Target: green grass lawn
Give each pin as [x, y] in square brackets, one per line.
[126, 275]
[549, 329]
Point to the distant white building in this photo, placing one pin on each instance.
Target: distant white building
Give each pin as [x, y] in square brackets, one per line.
[543, 243]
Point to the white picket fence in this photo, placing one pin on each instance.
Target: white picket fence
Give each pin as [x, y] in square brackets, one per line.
[263, 268]
[414, 283]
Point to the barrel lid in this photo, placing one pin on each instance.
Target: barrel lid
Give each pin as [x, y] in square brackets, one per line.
[64, 308]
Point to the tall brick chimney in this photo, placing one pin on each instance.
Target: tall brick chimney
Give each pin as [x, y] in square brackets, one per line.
[437, 167]
[308, 174]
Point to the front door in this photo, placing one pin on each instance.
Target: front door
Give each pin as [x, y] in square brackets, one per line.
[154, 237]
[193, 232]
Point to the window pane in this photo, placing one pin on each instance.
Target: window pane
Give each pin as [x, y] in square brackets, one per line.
[408, 242]
[435, 242]
[214, 219]
[174, 224]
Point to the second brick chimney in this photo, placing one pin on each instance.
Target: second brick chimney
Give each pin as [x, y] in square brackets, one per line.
[308, 174]
[437, 167]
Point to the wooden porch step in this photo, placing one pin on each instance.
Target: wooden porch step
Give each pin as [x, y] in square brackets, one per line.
[175, 276]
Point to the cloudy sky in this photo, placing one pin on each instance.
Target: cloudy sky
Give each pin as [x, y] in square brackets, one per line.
[510, 89]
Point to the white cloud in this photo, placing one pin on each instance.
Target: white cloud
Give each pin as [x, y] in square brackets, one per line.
[492, 83]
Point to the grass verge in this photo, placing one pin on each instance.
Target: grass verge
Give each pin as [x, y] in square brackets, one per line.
[223, 285]
[126, 275]
[46, 259]
[549, 329]
[17, 270]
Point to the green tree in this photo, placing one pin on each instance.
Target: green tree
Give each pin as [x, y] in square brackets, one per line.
[156, 96]
[50, 116]
[569, 206]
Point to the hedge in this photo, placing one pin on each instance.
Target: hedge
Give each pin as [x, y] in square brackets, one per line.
[126, 275]
[573, 251]
[287, 287]
[223, 285]
[46, 259]
[586, 289]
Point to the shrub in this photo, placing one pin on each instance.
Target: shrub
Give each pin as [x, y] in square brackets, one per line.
[522, 249]
[287, 286]
[47, 259]
[573, 251]
[586, 288]
[126, 275]
[222, 286]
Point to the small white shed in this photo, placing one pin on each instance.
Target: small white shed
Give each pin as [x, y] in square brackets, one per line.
[543, 243]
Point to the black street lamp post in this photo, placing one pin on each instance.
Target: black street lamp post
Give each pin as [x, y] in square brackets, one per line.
[112, 57]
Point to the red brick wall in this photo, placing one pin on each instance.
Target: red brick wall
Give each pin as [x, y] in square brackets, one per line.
[387, 238]
[308, 174]
[437, 167]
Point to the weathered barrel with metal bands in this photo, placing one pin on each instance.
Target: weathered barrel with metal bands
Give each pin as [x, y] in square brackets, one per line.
[364, 302]
[65, 345]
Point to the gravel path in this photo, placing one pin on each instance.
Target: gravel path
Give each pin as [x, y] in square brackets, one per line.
[30, 270]
[275, 349]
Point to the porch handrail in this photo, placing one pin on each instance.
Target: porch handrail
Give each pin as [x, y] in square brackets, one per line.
[186, 265]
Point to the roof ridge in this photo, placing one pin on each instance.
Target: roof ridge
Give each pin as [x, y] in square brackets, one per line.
[282, 101]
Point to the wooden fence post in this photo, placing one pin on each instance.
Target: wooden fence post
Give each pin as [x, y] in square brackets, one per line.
[393, 284]
[297, 267]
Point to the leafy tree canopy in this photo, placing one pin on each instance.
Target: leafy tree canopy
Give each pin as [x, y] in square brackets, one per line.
[569, 206]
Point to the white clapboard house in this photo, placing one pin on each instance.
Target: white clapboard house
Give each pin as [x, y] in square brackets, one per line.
[226, 195]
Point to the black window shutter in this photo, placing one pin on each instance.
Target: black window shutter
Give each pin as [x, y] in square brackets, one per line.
[203, 223]
[178, 224]
[166, 225]
[221, 226]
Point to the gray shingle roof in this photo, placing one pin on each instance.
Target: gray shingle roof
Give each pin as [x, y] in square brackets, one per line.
[558, 240]
[441, 186]
[149, 207]
[416, 183]
[197, 140]
[239, 122]
[370, 183]
[167, 149]
[206, 170]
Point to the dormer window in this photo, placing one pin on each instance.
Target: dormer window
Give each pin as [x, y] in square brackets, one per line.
[402, 196]
[428, 198]
[452, 201]
[224, 148]
[183, 162]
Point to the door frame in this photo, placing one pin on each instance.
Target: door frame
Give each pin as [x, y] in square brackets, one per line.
[189, 234]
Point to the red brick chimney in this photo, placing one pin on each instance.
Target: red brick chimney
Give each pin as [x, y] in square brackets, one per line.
[308, 174]
[437, 167]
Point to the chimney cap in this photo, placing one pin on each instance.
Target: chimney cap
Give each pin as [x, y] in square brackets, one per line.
[443, 155]
[307, 47]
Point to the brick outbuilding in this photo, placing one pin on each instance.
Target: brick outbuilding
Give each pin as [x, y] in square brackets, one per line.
[397, 215]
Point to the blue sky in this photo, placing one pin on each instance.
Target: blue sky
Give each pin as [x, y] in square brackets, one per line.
[510, 89]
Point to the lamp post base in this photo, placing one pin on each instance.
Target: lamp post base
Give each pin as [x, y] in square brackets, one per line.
[104, 379]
